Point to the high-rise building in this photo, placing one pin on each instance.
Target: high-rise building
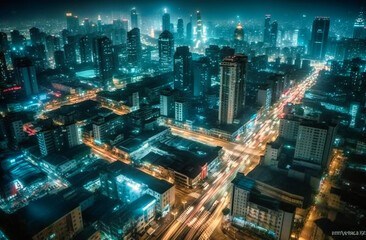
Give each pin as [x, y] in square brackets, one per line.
[314, 143]
[59, 59]
[213, 54]
[181, 110]
[4, 43]
[50, 46]
[72, 23]
[359, 30]
[267, 29]
[3, 70]
[103, 57]
[167, 103]
[201, 76]
[232, 88]
[166, 51]
[251, 206]
[180, 29]
[303, 37]
[35, 36]
[17, 39]
[273, 34]
[319, 37]
[189, 32]
[57, 138]
[199, 28]
[26, 76]
[134, 19]
[226, 51]
[14, 129]
[166, 21]
[182, 68]
[239, 38]
[70, 55]
[134, 47]
[85, 49]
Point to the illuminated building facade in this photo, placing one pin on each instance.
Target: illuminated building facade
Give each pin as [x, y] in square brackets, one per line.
[319, 37]
[232, 88]
[182, 68]
[103, 58]
[134, 49]
[126, 183]
[258, 211]
[166, 51]
[359, 27]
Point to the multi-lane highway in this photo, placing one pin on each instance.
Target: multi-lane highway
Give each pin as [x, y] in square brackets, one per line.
[200, 219]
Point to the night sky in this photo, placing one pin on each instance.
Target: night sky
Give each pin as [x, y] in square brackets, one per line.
[212, 9]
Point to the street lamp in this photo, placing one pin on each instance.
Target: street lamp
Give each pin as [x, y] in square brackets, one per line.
[184, 204]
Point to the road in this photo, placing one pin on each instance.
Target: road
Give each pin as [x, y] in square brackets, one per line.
[241, 157]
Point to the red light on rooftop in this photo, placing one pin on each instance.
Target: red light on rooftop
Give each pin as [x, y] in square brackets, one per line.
[12, 89]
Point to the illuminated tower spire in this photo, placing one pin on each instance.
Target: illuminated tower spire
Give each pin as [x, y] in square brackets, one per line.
[359, 30]
[199, 26]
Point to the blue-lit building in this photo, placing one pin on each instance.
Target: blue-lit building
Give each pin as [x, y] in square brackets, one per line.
[182, 68]
[126, 183]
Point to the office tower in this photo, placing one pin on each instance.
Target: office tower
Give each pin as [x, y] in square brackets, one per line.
[232, 88]
[239, 33]
[26, 76]
[119, 36]
[134, 47]
[166, 21]
[99, 24]
[289, 127]
[319, 37]
[85, 49]
[70, 55]
[189, 31]
[59, 59]
[65, 34]
[199, 28]
[277, 84]
[273, 34]
[314, 143]
[167, 103]
[35, 36]
[166, 51]
[72, 23]
[125, 24]
[239, 38]
[87, 26]
[17, 39]
[181, 110]
[103, 57]
[134, 19]
[359, 30]
[3, 70]
[267, 29]
[4, 43]
[58, 138]
[298, 61]
[264, 96]
[213, 54]
[182, 68]
[249, 205]
[302, 37]
[50, 46]
[180, 29]
[201, 76]
[14, 129]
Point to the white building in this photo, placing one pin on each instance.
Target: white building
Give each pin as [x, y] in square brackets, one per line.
[181, 110]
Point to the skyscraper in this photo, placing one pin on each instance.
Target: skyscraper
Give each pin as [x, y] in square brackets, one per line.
[72, 23]
[201, 76]
[359, 30]
[273, 35]
[35, 36]
[85, 49]
[180, 29]
[3, 72]
[26, 76]
[189, 31]
[166, 51]
[232, 88]
[199, 29]
[182, 68]
[213, 54]
[59, 59]
[267, 29]
[319, 37]
[4, 43]
[103, 57]
[166, 21]
[239, 38]
[134, 47]
[134, 19]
